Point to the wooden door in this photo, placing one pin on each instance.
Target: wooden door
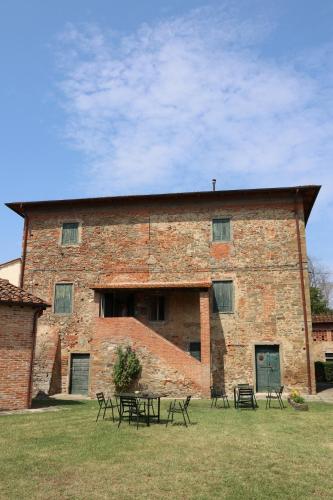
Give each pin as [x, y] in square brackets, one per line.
[268, 367]
[79, 378]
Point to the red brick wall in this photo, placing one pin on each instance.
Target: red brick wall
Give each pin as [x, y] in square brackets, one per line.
[16, 343]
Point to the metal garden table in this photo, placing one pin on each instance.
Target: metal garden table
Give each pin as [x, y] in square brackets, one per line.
[149, 397]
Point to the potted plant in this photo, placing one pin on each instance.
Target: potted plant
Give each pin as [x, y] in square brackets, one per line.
[297, 402]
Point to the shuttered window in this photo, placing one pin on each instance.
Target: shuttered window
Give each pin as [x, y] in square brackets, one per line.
[63, 298]
[223, 296]
[221, 229]
[70, 233]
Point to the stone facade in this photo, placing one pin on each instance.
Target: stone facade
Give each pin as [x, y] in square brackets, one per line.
[161, 240]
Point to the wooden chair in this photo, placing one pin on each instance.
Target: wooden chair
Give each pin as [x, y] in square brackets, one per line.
[179, 407]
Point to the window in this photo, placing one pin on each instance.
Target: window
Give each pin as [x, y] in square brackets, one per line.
[195, 350]
[63, 298]
[329, 356]
[221, 229]
[157, 308]
[223, 296]
[70, 233]
[117, 304]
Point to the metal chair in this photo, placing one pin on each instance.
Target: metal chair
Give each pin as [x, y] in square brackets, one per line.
[105, 404]
[130, 407]
[275, 395]
[179, 407]
[245, 397]
[216, 394]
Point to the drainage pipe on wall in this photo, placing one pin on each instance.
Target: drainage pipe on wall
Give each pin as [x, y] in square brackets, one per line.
[24, 248]
[305, 312]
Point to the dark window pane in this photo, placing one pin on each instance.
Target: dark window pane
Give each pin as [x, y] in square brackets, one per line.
[223, 296]
[70, 233]
[63, 298]
[157, 308]
[117, 304]
[195, 350]
[221, 229]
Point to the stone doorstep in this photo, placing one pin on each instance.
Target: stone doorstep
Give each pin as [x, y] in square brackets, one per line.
[70, 397]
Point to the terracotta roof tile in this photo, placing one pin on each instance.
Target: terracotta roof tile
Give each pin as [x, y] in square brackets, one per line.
[10, 294]
[322, 318]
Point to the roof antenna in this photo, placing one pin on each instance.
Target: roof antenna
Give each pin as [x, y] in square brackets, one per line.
[214, 183]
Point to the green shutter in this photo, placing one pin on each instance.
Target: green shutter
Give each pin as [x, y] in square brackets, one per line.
[70, 233]
[63, 298]
[221, 229]
[223, 296]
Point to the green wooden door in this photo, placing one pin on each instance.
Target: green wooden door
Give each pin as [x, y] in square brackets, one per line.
[79, 373]
[268, 367]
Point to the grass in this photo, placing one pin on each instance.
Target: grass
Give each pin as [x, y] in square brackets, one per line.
[225, 454]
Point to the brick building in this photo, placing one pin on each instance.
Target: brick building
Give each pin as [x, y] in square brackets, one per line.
[322, 332]
[19, 312]
[209, 287]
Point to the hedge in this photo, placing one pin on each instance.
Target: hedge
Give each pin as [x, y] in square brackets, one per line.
[324, 371]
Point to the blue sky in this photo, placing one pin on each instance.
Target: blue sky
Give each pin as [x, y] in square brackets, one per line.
[107, 97]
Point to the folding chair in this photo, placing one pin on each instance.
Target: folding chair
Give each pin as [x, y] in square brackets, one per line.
[105, 404]
[274, 394]
[216, 394]
[179, 407]
[130, 407]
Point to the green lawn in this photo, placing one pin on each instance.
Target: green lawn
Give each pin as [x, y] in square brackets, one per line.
[225, 454]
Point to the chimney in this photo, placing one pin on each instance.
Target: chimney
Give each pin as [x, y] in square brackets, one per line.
[214, 183]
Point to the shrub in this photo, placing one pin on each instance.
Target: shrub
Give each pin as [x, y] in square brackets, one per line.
[126, 369]
[328, 368]
[324, 371]
[320, 371]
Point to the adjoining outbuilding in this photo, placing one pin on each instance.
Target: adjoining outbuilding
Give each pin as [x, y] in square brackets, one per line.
[19, 312]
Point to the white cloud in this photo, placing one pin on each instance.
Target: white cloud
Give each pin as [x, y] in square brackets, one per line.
[191, 98]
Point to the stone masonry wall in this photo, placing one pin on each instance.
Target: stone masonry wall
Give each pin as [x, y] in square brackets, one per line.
[157, 241]
[16, 344]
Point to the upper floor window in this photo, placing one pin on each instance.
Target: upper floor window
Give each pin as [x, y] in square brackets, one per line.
[221, 229]
[70, 233]
[329, 356]
[117, 304]
[157, 308]
[223, 296]
[63, 298]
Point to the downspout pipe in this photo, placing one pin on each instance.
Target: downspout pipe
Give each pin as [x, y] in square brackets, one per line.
[301, 272]
[37, 314]
[24, 248]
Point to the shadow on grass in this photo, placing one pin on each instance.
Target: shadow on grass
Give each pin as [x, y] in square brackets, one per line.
[45, 403]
